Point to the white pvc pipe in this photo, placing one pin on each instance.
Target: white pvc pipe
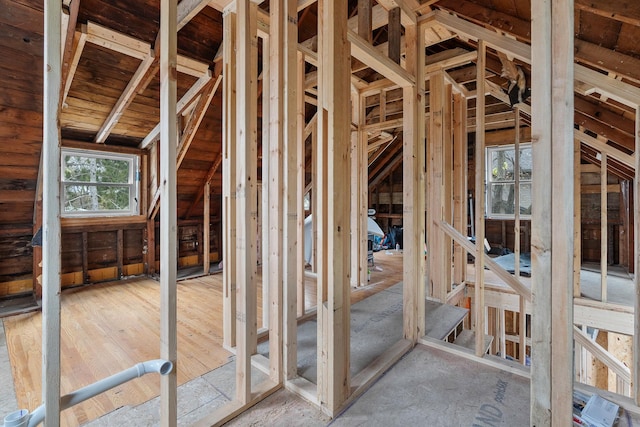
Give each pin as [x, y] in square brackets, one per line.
[163, 367]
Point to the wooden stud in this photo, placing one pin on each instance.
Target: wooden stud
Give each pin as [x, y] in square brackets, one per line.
[333, 212]
[522, 331]
[119, 251]
[516, 197]
[85, 257]
[636, 264]
[437, 133]
[292, 101]
[168, 209]
[359, 193]
[206, 229]
[295, 298]
[246, 200]
[480, 164]
[51, 215]
[552, 216]
[364, 20]
[577, 215]
[264, 224]
[395, 32]
[460, 169]
[413, 156]
[604, 240]
[229, 180]
[447, 186]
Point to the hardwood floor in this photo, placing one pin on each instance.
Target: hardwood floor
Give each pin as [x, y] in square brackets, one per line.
[110, 327]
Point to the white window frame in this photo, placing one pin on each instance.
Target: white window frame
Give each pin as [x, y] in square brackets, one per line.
[133, 183]
[490, 181]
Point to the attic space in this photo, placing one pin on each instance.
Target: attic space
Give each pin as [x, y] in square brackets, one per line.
[267, 211]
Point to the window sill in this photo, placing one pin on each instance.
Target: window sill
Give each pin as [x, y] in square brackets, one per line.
[71, 224]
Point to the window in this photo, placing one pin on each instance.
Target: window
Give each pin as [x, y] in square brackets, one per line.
[97, 183]
[501, 183]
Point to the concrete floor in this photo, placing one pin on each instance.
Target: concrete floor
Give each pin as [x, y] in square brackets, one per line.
[426, 387]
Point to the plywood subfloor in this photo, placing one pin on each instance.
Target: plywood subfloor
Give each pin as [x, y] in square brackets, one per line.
[110, 327]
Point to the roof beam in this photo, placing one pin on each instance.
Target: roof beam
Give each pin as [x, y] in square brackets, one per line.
[519, 50]
[183, 103]
[79, 41]
[187, 9]
[196, 117]
[603, 84]
[366, 53]
[125, 98]
[596, 144]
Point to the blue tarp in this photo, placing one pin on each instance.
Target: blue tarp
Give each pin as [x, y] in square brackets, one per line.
[508, 263]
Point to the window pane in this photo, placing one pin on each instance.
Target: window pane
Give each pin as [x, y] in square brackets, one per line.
[87, 198]
[113, 170]
[79, 168]
[502, 199]
[526, 163]
[525, 198]
[502, 162]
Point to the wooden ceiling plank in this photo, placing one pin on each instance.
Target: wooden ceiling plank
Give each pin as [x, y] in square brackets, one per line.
[366, 53]
[607, 59]
[620, 10]
[125, 99]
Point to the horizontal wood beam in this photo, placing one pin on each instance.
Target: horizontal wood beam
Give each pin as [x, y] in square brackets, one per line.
[608, 86]
[113, 40]
[519, 50]
[449, 59]
[366, 53]
[407, 9]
